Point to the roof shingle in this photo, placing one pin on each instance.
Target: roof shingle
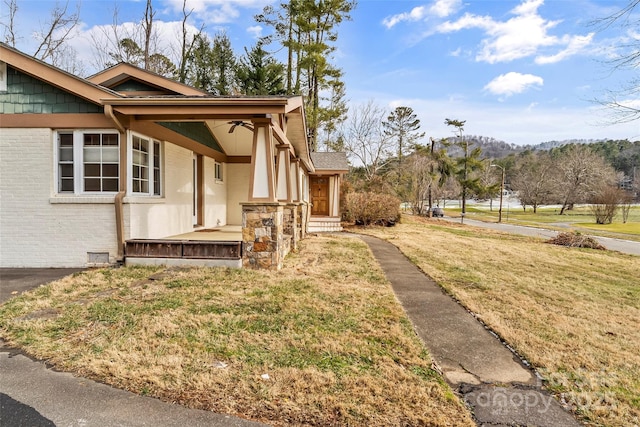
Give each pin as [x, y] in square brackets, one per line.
[330, 161]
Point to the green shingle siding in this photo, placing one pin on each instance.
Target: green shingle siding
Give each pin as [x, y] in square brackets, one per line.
[196, 131]
[26, 95]
[134, 86]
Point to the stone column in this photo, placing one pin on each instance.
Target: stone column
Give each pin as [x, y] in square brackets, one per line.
[292, 223]
[263, 242]
[302, 218]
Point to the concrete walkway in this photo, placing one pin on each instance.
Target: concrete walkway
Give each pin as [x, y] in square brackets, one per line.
[498, 387]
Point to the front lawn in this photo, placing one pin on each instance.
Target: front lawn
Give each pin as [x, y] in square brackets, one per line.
[573, 313]
[322, 342]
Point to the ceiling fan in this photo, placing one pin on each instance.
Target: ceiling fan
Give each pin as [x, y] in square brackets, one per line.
[235, 123]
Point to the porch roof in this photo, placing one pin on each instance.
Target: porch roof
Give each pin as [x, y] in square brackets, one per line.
[219, 116]
[330, 161]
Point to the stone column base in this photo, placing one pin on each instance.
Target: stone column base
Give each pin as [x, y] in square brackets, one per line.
[264, 244]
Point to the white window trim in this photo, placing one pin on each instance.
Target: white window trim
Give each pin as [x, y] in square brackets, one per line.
[78, 162]
[150, 193]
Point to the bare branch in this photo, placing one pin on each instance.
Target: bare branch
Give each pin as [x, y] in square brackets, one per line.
[57, 31]
[10, 28]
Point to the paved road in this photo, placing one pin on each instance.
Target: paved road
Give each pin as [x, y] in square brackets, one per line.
[620, 245]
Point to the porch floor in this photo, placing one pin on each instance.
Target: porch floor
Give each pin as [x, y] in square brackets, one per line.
[219, 246]
[225, 233]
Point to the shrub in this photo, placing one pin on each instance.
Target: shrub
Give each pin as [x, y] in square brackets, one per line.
[373, 209]
[576, 240]
[605, 203]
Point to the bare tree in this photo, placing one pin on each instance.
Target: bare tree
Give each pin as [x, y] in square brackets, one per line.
[621, 101]
[365, 140]
[52, 37]
[10, 27]
[605, 203]
[625, 206]
[581, 172]
[147, 27]
[106, 42]
[187, 44]
[418, 169]
[57, 31]
[534, 180]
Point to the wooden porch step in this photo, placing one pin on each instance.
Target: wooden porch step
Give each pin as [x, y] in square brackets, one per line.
[324, 225]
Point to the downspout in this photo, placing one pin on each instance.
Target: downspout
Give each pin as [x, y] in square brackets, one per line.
[119, 197]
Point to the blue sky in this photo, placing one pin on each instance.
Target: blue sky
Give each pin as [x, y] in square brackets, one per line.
[520, 71]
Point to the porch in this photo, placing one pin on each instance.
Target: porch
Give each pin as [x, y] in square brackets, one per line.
[269, 232]
[205, 247]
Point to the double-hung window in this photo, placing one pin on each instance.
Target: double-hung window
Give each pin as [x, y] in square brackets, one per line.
[145, 166]
[88, 161]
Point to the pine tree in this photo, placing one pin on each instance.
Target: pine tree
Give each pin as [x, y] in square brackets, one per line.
[258, 73]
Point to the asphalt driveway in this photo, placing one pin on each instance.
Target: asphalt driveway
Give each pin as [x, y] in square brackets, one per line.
[14, 281]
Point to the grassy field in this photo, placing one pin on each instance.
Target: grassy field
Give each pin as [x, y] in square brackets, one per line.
[322, 342]
[580, 219]
[573, 313]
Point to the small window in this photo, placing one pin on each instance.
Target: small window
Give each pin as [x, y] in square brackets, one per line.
[145, 166]
[218, 172]
[65, 163]
[156, 168]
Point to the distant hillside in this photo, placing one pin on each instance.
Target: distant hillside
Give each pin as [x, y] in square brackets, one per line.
[623, 155]
[496, 149]
[544, 146]
[491, 147]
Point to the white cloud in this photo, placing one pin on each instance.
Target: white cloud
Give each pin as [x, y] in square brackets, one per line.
[444, 8]
[575, 44]
[513, 83]
[523, 35]
[416, 14]
[255, 31]
[216, 11]
[439, 8]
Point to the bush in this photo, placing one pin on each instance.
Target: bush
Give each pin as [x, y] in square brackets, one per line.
[605, 203]
[373, 209]
[576, 240]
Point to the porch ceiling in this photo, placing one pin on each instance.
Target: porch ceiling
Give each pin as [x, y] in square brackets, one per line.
[237, 143]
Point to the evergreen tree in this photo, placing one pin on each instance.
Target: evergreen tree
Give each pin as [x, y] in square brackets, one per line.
[212, 65]
[258, 73]
[224, 65]
[403, 126]
[200, 64]
[467, 164]
[307, 29]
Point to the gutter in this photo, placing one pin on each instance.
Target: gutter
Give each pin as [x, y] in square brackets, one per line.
[119, 198]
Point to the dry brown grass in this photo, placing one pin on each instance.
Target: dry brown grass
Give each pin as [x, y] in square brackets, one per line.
[327, 330]
[573, 313]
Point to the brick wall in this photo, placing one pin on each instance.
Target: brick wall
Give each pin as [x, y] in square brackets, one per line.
[38, 229]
